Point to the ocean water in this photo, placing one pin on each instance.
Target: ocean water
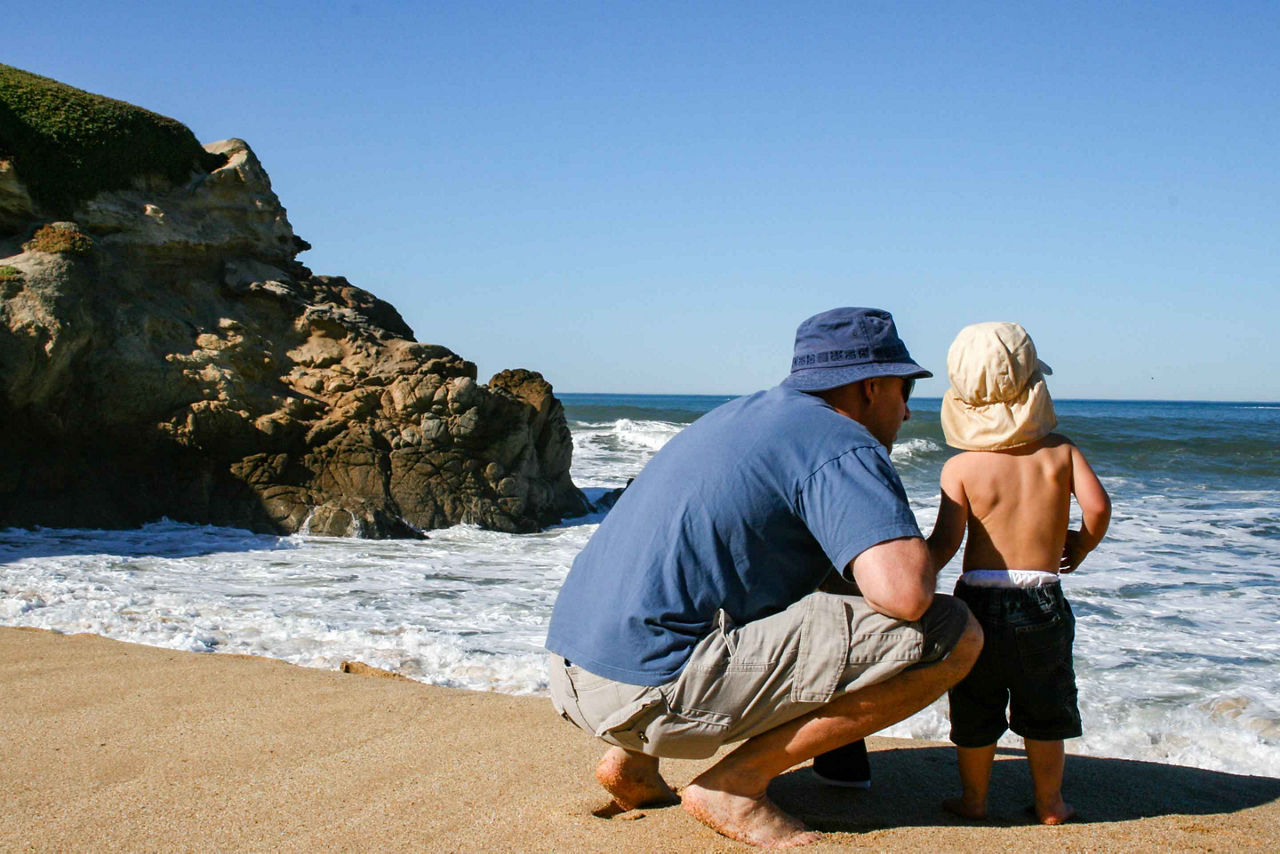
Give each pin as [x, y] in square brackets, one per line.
[1177, 639]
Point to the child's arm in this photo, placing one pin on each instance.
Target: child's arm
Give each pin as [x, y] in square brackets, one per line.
[1095, 512]
[953, 515]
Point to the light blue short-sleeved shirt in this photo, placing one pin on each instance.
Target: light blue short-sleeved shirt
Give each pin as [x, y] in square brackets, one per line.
[745, 510]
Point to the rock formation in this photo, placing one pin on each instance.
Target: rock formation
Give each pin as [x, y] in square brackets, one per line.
[163, 353]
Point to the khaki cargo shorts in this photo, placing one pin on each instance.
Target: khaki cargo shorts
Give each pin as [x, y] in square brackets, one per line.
[745, 680]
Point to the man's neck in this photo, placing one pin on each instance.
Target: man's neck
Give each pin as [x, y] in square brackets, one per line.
[849, 400]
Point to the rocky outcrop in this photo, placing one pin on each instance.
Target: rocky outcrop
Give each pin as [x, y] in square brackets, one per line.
[163, 353]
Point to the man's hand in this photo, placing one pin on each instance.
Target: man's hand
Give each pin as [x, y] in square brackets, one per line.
[896, 577]
[1073, 552]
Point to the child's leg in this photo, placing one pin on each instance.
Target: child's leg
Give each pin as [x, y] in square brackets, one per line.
[978, 704]
[975, 776]
[1047, 759]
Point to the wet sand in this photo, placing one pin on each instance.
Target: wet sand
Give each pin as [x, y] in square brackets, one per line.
[108, 745]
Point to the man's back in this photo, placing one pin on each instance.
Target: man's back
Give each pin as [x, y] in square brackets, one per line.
[1019, 502]
[746, 510]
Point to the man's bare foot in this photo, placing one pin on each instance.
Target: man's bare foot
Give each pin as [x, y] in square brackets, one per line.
[1060, 812]
[964, 809]
[756, 821]
[633, 780]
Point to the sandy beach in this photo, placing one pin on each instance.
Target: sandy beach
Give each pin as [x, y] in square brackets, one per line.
[109, 745]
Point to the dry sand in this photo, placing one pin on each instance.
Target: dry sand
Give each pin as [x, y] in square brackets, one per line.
[107, 745]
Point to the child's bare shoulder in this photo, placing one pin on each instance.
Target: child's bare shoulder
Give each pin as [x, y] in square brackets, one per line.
[1063, 447]
[956, 465]
[960, 471]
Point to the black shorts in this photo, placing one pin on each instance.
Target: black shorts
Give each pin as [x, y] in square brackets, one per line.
[1025, 665]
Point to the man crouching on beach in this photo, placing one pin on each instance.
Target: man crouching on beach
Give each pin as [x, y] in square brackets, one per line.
[693, 616]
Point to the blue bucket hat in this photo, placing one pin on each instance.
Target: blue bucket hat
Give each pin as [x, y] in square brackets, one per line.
[845, 345]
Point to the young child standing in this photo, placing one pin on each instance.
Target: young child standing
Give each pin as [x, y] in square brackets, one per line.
[1011, 491]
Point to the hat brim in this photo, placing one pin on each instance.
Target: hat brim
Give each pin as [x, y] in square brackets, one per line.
[825, 379]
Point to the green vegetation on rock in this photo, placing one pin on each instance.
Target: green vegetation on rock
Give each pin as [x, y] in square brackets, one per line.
[11, 281]
[52, 239]
[69, 145]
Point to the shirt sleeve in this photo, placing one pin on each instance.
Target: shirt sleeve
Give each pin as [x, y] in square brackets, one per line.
[853, 502]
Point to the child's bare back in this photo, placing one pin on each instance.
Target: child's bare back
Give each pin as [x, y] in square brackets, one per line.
[1015, 504]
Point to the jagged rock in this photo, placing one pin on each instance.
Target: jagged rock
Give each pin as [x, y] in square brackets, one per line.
[605, 502]
[186, 365]
[16, 207]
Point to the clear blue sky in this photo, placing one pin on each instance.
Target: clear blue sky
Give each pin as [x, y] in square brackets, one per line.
[649, 196]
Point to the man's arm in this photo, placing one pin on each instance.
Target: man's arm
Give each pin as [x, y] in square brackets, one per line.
[896, 577]
[953, 515]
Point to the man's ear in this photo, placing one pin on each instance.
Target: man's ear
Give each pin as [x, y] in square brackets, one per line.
[870, 387]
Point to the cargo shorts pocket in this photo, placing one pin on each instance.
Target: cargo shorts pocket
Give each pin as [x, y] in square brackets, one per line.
[626, 725]
[702, 702]
[607, 709]
[685, 731]
[823, 650]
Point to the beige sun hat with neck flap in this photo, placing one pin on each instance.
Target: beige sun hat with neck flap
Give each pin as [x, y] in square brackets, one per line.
[998, 398]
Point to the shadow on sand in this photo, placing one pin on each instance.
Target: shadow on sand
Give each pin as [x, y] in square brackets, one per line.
[905, 791]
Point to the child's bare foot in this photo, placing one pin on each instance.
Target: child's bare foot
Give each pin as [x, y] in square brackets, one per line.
[965, 809]
[1059, 812]
[756, 821]
[633, 780]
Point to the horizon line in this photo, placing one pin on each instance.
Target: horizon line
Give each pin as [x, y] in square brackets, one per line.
[731, 395]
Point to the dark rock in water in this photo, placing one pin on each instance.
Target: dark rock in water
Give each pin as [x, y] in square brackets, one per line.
[163, 353]
[610, 498]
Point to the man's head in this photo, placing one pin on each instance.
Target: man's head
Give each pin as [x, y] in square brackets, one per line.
[854, 359]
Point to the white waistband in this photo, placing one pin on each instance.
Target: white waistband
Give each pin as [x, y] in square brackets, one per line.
[1008, 578]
